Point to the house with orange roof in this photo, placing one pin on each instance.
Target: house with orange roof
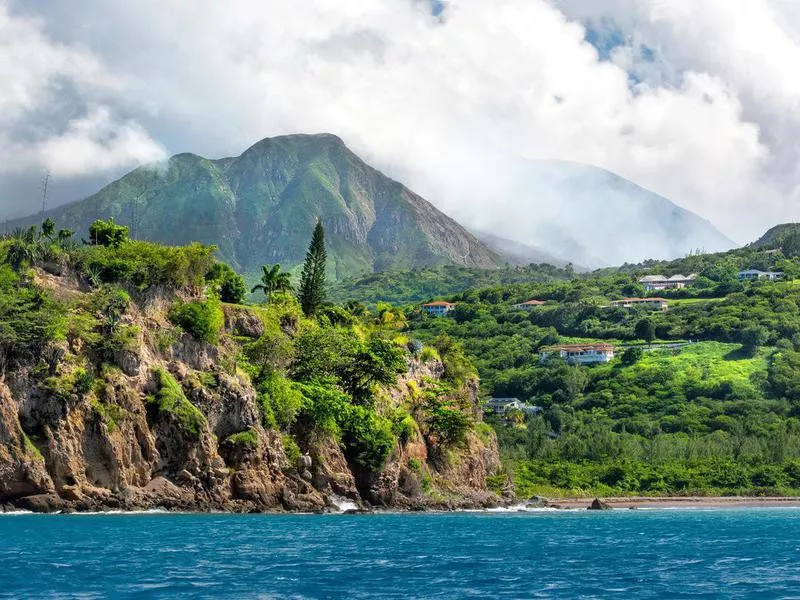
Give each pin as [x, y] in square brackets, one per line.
[438, 309]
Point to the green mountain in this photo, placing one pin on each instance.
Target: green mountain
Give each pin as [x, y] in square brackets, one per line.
[778, 236]
[261, 207]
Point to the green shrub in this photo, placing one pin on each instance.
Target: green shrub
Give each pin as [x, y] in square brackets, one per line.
[247, 438]
[202, 319]
[228, 283]
[284, 399]
[367, 437]
[84, 381]
[107, 233]
[429, 354]
[170, 399]
[414, 464]
[404, 427]
[147, 264]
[290, 449]
[323, 406]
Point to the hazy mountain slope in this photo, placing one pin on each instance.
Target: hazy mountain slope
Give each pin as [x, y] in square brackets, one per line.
[261, 207]
[595, 217]
[520, 254]
[776, 236]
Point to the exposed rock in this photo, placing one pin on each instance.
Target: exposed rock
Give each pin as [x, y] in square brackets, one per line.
[597, 504]
[111, 448]
[22, 468]
[42, 503]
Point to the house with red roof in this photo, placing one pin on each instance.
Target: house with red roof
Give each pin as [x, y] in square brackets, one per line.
[438, 309]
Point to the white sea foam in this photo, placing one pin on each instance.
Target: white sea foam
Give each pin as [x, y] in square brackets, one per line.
[343, 504]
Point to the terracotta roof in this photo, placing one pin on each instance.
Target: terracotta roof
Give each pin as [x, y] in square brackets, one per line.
[533, 303]
[439, 304]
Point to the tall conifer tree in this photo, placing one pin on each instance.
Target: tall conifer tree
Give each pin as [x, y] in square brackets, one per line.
[312, 282]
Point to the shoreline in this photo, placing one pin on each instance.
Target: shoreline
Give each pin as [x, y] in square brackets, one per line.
[636, 502]
[533, 505]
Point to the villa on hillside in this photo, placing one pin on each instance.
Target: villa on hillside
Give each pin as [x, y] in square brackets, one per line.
[438, 309]
[579, 354]
[503, 406]
[755, 275]
[661, 282]
[529, 305]
[653, 303]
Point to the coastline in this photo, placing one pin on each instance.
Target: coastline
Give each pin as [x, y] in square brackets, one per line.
[532, 505]
[638, 502]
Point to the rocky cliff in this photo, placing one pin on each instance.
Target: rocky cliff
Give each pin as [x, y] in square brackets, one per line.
[170, 422]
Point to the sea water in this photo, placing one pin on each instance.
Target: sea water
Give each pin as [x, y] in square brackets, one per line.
[744, 553]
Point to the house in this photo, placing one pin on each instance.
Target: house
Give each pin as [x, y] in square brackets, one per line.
[661, 282]
[503, 406]
[755, 274]
[438, 309]
[579, 354]
[529, 305]
[652, 303]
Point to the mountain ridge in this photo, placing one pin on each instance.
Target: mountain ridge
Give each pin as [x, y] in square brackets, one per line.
[260, 207]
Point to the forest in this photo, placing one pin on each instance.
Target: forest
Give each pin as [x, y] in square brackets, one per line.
[703, 398]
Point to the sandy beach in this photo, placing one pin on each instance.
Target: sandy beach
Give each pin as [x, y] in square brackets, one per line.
[678, 502]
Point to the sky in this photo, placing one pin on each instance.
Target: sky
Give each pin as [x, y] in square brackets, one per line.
[697, 100]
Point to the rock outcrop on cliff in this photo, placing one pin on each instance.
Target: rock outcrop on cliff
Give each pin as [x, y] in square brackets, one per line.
[171, 422]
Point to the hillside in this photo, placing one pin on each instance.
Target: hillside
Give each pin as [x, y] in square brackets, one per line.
[260, 207]
[521, 254]
[126, 384]
[710, 407]
[594, 217]
[778, 236]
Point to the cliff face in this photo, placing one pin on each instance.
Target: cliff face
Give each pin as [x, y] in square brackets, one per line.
[115, 446]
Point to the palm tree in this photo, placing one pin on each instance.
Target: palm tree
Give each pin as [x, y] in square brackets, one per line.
[23, 247]
[272, 280]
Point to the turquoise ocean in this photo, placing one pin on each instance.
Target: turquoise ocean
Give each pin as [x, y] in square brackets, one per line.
[739, 553]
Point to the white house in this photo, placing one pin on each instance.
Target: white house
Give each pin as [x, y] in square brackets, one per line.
[661, 282]
[755, 274]
[438, 309]
[529, 305]
[503, 406]
[652, 303]
[579, 354]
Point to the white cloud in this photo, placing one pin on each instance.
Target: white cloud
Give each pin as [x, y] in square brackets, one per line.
[447, 105]
[47, 121]
[96, 143]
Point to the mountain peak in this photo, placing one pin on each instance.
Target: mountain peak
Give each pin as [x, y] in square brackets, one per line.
[261, 206]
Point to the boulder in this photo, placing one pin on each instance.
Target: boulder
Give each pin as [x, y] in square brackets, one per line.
[597, 504]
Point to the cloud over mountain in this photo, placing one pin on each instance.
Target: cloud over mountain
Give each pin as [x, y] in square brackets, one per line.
[694, 99]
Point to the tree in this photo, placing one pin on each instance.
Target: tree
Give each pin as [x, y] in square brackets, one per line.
[229, 283]
[646, 330]
[272, 280]
[632, 355]
[752, 337]
[48, 228]
[107, 233]
[312, 282]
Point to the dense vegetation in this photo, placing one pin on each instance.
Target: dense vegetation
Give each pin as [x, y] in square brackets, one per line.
[702, 398]
[72, 312]
[419, 285]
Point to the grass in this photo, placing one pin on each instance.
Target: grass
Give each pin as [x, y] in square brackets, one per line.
[247, 438]
[171, 400]
[708, 361]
